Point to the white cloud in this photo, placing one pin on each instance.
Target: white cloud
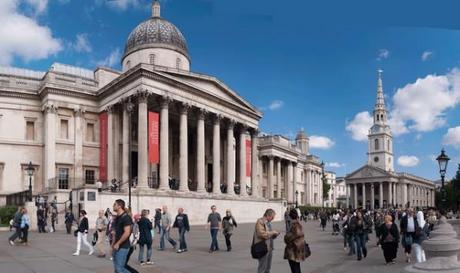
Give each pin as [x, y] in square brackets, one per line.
[359, 126]
[426, 55]
[321, 142]
[39, 6]
[112, 59]
[452, 137]
[82, 43]
[22, 36]
[383, 54]
[122, 4]
[335, 164]
[408, 161]
[275, 105]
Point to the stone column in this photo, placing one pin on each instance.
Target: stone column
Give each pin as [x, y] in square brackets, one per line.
[372, 196]
[364, 195]
[142, 140]
[294, 184]
[164, 143]
[255, 184]
[347, 194]
[380, 195]
[230, 159]
[110, 152]
[242, 151]
[127, 109]
[290, 193]
[183, 148]
[78, 148]
[355, 195]
[278, 178]
[216, 155]
[390, 191]
[200, 152]
[404, 195]
[50, 145]
[270, 177]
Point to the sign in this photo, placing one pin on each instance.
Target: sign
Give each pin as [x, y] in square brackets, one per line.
[248, 157]
[154, 147]
[103, 128]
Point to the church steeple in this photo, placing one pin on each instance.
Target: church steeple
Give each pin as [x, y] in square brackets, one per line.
[380, 112]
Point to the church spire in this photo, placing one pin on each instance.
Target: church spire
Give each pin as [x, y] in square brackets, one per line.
[380, 113]
[156, 8]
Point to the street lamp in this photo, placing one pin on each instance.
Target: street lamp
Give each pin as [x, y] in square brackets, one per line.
[443, 159]
[30, 171]
[323, 178]
[296, 198]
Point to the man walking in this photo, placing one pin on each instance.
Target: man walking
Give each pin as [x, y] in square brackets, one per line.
[165, 225]
[181, 222]
[101, 227]
[17, 219]
[120, 245]
[68, 220]
[264, 232]
[214, 224]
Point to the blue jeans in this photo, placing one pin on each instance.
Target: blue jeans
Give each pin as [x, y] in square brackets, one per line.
[141, 252]
[183, 243]
[351, 243]
[165, 233]
[360, 239]
[119, 260]
[214, 244]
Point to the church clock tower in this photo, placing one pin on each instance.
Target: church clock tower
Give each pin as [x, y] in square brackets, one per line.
[380, 149]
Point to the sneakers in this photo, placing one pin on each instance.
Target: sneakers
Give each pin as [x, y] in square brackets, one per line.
[76, 253]
[91, 252]
[150, 262]
[11, 243]
[143, 263]
[179, 251]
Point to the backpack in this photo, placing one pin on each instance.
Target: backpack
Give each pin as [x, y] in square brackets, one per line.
[352, 224]
[17, 220]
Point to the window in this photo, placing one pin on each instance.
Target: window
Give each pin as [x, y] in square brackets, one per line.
[89, 177]
[178, 63]
[128, 64]
[152, 58]
[63, 179]
[90, 136]
[30, 130]
[376, 142]
[377, 117]
[64, 129]
[388, 142]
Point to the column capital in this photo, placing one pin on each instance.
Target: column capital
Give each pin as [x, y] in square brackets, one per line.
[254, 132]
[50, 108]
[201, 113]
[184, 108]
[142, 95]
[165, 101]
[78, 112]
[243, 128]
[231, 124]
[109, 108]
[218, 118]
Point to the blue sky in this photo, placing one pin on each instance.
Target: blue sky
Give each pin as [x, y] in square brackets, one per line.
[305, 64]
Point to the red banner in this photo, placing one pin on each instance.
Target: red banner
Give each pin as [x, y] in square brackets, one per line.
[248, 157]
[103, 125]
[154, 147]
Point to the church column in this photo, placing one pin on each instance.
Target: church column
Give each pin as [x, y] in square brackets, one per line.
[50, 144]
[380, 195]
[390, 191]
[278, 178]
[200, 160]
[290, 192]
[355, 196]
[230, 159]
[78, 148]
[127, 108]
[347, 194]
[364, 195]
[270, 184]
[110, 154]
[142, 142]
[216, 155]
[372, 196]
[255, 184]
[183, 148]
[164, 143]
[243, 178]
[404, 195]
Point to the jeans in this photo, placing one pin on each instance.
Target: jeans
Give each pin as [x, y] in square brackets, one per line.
[360, 239]
[165, 233]
[214, 244]
[83, 237]
[119, 260]
[419, 253]
[127, 267]
[16, 234]
[295, 266]
[183, 243]
[351, 243]
[141, 252]
[227, 241]
[25, 233]
[68, 227]
[265, 263]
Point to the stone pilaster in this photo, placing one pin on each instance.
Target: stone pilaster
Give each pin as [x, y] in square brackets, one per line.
[242, 165]
[200, 160]
[164, 143]
[270, 177]
[347, 194]
[355, 195]
[142, 142]
[372, 196]
[255, 184]
[78, 148]
[127, 111]
[183, 147]
[230, 159]
[278, 178]
[364, 195]
[380, 195]
[50, 144]
[110, 152]
[216, 155]
[290, 192]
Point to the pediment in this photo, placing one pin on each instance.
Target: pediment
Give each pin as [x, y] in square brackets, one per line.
[367, 172]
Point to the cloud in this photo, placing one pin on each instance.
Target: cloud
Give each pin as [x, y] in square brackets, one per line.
[22, 36]
[82, 43]
[383, 54]
[274, 105]
[426, 55]
[39, 6]
[321, 142]
[335, 164]
[359, 126]
[112, 59]
[408, 161]
[452, 137]
[122, 4]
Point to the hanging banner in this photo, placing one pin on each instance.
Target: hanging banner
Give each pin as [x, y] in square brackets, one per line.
[154, 147]
[103, 128]
[248, 157]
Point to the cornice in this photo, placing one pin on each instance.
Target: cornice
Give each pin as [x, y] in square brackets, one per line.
[19, 95]
[69, 93]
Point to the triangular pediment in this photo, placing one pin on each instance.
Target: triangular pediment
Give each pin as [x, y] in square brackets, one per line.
[367, 171]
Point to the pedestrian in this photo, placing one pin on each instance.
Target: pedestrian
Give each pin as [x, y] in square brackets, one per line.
[408, 227]
[101, 228]
[133, 240]
[378, 222]
[165, 225]
[294, 239]
[181, 222]
[53, 217]
[228, 224]
[264, 232]
[82, 234]
[359, 235]
[157, 218]
[145, 238]
[16, 225]
[421, 234]
[389, 239]
[41, 220]
[68, 220]
[121, 232]
[349, 226]
[335, 223]
[323, 220]
[214, 224]
[25, 224]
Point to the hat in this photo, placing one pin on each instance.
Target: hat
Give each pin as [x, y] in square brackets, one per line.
[137, 216]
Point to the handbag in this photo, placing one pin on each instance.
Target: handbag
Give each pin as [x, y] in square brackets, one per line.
[95, 237]
[259, 249]
[408, 241]
[307, 250]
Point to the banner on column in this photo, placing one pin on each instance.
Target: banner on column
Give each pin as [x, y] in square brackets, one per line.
[103, 130]
[248, 157]
[154, 147]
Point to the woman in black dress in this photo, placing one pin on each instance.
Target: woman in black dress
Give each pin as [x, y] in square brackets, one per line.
[389, 238]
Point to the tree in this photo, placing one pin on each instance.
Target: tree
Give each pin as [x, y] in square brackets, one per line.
[326, 188]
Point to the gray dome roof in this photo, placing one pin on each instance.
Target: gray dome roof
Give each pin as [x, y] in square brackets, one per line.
[156, 32]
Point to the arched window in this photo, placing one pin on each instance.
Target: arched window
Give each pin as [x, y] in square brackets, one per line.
[381, 118]
[376, 143]
[152, 59]
[128, 64]
[388, 142]
[377, 117]
[178, 63]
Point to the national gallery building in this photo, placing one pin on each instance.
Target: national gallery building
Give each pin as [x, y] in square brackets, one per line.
[180, 137]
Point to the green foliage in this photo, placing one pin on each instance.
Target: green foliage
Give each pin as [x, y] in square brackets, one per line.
[326, 188]
[7, 213]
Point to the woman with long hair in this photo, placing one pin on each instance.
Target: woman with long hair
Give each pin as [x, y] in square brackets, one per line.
[228, 223]
[294, 251]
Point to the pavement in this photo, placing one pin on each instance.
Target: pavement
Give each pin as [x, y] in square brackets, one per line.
[52, 253]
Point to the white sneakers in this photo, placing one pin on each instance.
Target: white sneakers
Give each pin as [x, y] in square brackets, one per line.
[11, 243]
[76, 253]
[91, 252]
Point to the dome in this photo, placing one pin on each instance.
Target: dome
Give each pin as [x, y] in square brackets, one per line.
[156, 32]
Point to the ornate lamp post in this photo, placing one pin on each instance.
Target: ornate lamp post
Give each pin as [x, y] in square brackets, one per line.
[323, 180]
[30, 171]
[296, 199]
[443, 159]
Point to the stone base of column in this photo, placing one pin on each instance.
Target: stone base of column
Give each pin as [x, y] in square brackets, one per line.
[438, 264]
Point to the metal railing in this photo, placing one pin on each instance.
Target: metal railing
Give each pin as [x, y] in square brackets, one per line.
[17, 198]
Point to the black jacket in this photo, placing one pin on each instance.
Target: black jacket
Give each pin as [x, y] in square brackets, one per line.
[184, 221]
[145, 228]
[83, 226]
[403, 224]
[384, 231]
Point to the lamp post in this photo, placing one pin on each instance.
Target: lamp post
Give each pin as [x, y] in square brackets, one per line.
[30, 171]
[443, 159]
[129, 109]
[296, 199]
[323, 179]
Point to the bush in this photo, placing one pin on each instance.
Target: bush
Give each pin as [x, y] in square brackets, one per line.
[7, 213]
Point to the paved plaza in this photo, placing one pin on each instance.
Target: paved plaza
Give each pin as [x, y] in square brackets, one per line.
[52, 253]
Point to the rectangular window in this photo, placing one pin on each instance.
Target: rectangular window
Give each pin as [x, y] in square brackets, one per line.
[63, 179]
[64, 129]
[89, 177]
[30, 130]
[90, 135]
